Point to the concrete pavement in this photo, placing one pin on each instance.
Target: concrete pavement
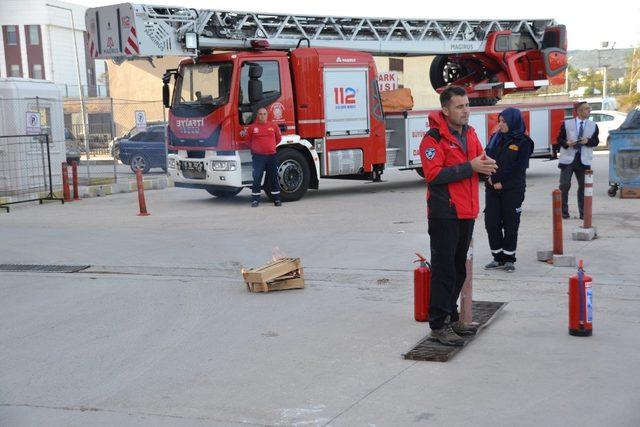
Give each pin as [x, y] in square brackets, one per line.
[161, 330]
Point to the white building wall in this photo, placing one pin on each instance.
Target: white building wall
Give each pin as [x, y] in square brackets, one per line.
[57, 38]
[36, 12]
[64, 72]
[46, 53]
[3, 62]
[23, 51]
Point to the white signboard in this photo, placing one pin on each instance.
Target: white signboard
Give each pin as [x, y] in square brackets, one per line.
[388, 81]
[141, 121]
[33, 123]
[417, 128]
[110, 41]
[478, 122]
[113, 24]
[346, 101]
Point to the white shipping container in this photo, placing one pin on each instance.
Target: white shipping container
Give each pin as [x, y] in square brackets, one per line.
[21, 166]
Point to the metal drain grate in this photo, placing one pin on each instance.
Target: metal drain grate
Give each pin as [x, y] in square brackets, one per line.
[39, 268]
[483, 313]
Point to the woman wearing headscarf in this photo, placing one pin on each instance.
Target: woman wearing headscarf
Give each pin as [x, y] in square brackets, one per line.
[504, 194]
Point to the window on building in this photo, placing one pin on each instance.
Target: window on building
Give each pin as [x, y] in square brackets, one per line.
[15, 70]
[100, 123]
[34, 35]
[396, 64]
[37, 72]
[12, 35]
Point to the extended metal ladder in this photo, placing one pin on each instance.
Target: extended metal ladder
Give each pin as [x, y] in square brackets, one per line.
[128, 31]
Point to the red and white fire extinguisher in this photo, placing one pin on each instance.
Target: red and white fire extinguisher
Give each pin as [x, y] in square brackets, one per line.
[421, 283]
[580, 304]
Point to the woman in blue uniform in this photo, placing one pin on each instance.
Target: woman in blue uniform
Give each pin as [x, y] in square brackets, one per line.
[505, 189]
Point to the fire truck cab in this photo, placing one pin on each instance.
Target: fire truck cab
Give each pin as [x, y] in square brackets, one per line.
[325, 102]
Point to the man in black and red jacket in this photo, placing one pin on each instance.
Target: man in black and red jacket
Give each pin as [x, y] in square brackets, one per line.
[452, 157]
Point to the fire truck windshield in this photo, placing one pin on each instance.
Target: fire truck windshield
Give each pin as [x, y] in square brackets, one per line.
[203, 86]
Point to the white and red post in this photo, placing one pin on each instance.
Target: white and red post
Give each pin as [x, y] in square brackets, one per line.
[587, 231]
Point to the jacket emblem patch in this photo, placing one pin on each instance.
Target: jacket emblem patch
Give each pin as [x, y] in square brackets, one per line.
[513, 147]
[430, 153]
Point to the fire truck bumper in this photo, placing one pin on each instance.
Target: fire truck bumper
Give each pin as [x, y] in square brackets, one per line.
[223, 171]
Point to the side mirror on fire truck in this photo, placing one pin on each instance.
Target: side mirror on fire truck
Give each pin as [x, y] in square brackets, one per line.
[166, 79]
[166, 96]
[255, 84]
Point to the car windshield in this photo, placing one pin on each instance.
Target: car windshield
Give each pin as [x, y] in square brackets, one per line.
[206, 84]
[134, 130]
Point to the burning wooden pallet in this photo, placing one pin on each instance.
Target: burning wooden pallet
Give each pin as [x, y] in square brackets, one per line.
[278, 275]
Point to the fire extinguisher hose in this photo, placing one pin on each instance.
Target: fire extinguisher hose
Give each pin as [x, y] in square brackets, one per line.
[581, 292]
[422, 260]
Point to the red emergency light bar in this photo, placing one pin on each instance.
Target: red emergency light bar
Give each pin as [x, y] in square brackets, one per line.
[259, 44]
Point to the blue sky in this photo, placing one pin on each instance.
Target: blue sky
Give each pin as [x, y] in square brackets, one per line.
[588, 25]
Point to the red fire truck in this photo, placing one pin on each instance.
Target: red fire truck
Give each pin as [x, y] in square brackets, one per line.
[323, 96]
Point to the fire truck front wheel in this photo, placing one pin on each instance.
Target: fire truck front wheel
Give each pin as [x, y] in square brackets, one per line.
[294, 175]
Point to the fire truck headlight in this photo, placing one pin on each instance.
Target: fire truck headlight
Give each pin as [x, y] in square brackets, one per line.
[232, 166]
[218, 165]
[172, 163]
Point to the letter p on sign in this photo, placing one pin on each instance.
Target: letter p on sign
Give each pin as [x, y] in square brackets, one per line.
[141, 121]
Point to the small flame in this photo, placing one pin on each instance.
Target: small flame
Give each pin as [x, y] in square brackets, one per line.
[278, 254]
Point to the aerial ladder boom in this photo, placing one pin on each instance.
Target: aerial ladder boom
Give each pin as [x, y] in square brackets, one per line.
[161, 31]
[463, 47]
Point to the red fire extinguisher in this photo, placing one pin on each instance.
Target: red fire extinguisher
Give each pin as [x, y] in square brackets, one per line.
[580, 304]
[421, 283]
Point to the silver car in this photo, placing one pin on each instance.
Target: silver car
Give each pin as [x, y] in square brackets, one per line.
[606, 121]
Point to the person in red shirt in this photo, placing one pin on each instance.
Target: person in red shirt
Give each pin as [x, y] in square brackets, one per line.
[452, 157]
[265, 136]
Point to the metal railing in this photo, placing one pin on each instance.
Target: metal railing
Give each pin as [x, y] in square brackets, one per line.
[107, 121]
[25, 165]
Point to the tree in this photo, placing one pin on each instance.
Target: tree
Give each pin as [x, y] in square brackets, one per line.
[573, 77]
[630, 82]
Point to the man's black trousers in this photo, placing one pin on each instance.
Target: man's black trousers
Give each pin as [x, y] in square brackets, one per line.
[502, 220]
[449, 241]
[566, 171]
[262, 163]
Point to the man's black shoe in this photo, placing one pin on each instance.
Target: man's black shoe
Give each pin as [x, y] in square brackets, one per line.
[446, 336]
[566, 216]
[463, 329]
[493, 265]
[255, 204]
[277, 203]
